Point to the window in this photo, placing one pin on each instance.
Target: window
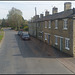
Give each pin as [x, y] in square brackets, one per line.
[45, 24]
[49, 24]
[56, 24]
[41, 34]
[45, 36]
[37, 24]
[56, 40]
[67, 43]
[42, 24]
[65, 24]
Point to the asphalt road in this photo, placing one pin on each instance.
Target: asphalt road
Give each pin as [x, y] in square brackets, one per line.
[24, 57]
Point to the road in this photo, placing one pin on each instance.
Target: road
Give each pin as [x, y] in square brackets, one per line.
[25, 57]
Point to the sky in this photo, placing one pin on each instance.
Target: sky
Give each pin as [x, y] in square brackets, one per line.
[28, 7]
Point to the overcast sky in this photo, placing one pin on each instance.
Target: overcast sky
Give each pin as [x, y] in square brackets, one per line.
[28, 7]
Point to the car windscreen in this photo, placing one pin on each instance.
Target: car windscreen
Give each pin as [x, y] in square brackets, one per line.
[26, 35]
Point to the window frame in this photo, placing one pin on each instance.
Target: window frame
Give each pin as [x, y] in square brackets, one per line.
[45, 36]
[56, 40]
[45, 24]
[37, 25]
[65, 24]
[56, 24]
[67, 43]
[49, 24]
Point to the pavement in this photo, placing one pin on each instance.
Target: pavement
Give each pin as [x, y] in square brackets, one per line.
[68, 63]
[67, 60]
[32, 57]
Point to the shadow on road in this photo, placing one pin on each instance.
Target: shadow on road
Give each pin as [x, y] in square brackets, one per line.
[35, 48]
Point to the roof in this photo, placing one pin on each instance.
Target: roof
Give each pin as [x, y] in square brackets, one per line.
[60, 15]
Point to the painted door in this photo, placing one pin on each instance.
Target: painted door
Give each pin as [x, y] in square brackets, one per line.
[48, 39]
[61, 44]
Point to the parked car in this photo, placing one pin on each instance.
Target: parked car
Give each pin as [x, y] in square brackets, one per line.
[25, 36]
[20, 32]
[23, 33]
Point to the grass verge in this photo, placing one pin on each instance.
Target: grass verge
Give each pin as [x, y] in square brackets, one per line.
[1, 34]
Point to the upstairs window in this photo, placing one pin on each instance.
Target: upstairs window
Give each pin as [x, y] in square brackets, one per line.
[56, 24]
[65, 24]
[45, 24]
[37, 24]
[67, 43]
[49, 24]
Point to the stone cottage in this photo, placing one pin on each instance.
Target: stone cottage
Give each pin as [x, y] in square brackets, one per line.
[57, 29]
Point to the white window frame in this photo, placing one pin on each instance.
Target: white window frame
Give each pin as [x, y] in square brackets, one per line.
[37, 24]
[49, 24]
[56, 40]
[45, 24]
[67, 43]
[65, 21]
[56, 24]
[45, 36]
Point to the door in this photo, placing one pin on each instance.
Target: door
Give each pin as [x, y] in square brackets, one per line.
[61, 44]
[48, 39]
[42, 35]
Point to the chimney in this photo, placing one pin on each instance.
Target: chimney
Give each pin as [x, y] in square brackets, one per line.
[67, 6]
[46, 13]
[54, 10]
[41, 15]
[37, 17]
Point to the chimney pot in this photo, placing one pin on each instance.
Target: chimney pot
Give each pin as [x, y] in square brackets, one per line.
[41, 15]
[46, 13]
[37, 17]
[67, 6]
[54, 10]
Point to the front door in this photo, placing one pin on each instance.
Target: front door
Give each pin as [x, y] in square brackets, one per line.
[61, 44]
[42, 35]
[48, 39]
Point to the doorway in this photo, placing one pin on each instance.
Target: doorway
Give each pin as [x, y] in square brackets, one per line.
[49, 39]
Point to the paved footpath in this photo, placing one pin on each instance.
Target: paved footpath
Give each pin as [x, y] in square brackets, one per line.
[66, 60]
[28, 57]
[68, 63]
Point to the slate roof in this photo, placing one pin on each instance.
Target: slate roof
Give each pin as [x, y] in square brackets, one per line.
[60, 15]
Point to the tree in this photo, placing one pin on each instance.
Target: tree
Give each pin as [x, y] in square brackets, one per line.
[3, 23]
[26, 25]
[15, 18]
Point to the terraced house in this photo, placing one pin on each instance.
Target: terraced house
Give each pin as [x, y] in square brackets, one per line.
[57, 29]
